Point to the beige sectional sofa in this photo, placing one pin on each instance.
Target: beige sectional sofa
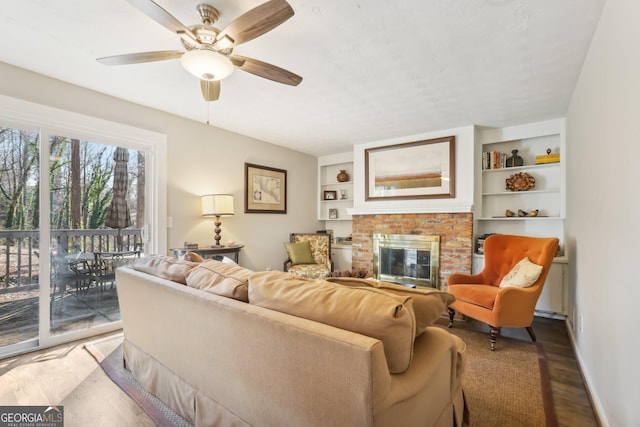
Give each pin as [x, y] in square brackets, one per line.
[281, 360]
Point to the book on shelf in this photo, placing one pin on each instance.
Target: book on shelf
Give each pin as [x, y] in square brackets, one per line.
[493, 160]
[548, 158]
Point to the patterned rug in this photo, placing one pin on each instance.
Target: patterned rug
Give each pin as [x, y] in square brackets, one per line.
[506, 387]
[108, 353]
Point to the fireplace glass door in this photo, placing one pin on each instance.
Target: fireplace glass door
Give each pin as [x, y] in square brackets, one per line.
[406, 259]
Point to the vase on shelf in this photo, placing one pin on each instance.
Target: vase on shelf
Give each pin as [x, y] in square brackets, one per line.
[343, 176]
[514, 160]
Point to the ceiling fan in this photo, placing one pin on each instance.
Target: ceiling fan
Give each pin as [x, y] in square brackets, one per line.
[208, 53]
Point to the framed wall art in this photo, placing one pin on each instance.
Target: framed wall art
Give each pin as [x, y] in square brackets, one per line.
[265, 189]
[413, 170]
[329, 195]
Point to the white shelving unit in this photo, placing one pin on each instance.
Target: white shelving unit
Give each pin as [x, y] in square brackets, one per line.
[548, 194]
[328, 169]
[492, 199]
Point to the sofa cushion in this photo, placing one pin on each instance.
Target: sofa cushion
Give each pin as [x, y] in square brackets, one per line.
[167, 267]
[522, 275]
[228, 280]
[364, 310]
[300, 253]
[428, 303]
[192, 256]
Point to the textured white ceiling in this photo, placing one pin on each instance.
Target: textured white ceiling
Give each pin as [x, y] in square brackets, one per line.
[372, 69]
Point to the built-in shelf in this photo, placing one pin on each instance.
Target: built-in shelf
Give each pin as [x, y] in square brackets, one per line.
[337, 184]
[337, 201]
[492, 200]
[518, 218]
[328, 169]
[523, 168]
[522, 193]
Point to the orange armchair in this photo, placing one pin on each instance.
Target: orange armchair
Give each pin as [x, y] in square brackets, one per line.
[480, 296]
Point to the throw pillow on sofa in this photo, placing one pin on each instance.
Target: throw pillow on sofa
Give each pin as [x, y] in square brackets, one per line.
[192, 256]
[227, 280]
[428, 303]
[166, 267]
[366, 311]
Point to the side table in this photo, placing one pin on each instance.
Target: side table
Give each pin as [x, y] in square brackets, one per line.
[212, 252]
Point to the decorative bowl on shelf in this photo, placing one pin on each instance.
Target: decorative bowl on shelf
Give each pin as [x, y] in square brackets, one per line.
[520, 181]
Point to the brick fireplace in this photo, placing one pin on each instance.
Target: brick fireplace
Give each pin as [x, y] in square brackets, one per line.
[455, 231]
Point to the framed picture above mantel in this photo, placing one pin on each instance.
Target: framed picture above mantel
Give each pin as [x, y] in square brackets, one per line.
[413, 170]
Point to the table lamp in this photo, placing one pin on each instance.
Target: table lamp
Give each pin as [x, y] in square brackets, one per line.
[217, 205]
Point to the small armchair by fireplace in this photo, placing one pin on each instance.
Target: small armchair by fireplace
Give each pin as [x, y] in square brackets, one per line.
[309, 255]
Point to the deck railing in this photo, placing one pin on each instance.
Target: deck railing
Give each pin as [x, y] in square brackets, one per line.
[20, 251]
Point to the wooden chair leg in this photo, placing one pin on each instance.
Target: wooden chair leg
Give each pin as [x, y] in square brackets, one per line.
[494, 336]
[452, 314]
[531, 333]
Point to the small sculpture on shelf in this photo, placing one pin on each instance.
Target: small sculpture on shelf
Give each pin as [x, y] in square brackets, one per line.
[514, 160]
[521, 213]
[548, 158]
[521, 181]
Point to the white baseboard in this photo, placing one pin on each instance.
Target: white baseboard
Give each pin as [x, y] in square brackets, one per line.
[598, 409]
[549, 315]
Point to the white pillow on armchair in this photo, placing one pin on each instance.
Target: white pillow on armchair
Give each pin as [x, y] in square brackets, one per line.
[522, 275]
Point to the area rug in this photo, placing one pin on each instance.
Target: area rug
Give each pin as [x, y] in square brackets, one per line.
[506, 387]
[108, 353]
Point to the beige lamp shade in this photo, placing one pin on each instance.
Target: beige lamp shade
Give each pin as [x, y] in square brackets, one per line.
[217, 205]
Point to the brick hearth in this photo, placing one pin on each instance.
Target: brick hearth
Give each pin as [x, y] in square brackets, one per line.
[455, 231]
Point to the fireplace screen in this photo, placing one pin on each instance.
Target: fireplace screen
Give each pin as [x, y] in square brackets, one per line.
[406, 259]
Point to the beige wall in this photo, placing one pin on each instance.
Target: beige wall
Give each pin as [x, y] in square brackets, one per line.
[603, 149]
[202, 159]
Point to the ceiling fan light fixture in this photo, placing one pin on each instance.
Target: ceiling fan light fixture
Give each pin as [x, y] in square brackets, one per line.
[206, 64]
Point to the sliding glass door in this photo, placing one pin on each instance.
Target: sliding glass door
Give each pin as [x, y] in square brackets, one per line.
[71, 197]
[96, 194]
[19, 235]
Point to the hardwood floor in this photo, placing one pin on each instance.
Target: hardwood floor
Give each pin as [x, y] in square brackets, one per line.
[68, 375]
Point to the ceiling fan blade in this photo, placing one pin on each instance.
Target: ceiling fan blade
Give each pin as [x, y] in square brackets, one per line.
[210, 89]
[164, 18]
[136, 58]
[267, 71]
[257, 21]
